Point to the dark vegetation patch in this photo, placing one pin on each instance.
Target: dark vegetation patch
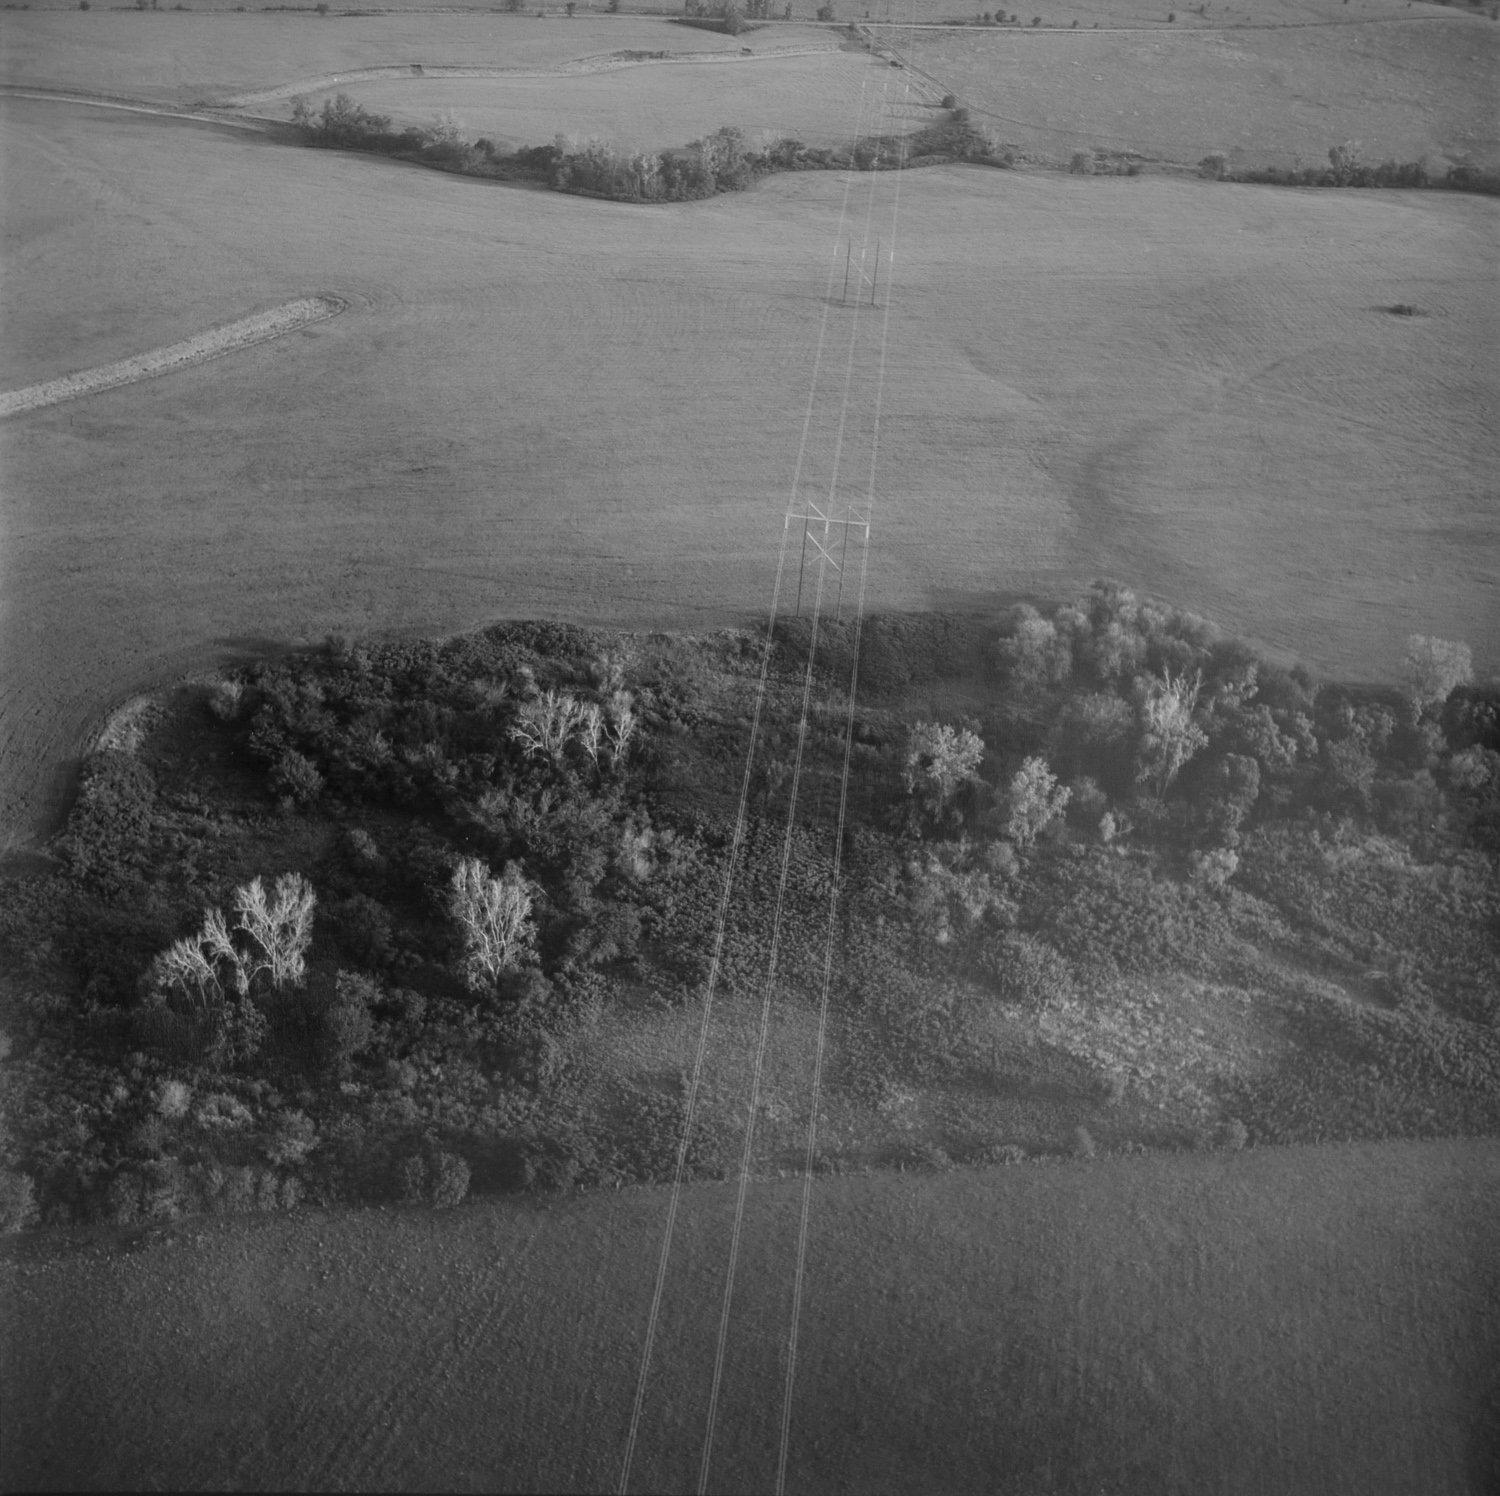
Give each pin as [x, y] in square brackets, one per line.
[718, 163]
[1345, 169]
[349, 925]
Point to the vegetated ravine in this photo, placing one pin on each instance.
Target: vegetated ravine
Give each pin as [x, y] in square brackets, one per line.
[398, 920]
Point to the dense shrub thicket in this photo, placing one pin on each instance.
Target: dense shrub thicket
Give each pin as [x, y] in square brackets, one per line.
[720, 162]
[338, 930]
[1346, 169]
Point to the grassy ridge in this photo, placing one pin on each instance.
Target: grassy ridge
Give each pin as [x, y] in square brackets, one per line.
[1281, 1321]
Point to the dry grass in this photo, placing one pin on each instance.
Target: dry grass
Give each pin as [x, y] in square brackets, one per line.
[1265, 97]
[191, 57]
[1279, 1320]
[814, 99]
[564, 408]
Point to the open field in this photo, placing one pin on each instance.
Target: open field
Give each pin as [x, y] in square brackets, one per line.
[1274, 1321]
[814, 99]
[562, 408]
[192, 57]
[1272, 97]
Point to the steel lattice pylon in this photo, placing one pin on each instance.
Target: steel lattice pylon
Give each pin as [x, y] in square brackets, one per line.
[818, 526]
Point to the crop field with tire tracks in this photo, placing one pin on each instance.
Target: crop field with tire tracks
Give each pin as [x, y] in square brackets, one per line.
[1282, 1320]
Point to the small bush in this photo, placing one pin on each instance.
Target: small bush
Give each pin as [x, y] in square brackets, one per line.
[122, 1199]
[173, 1099]
[292, 1137]
[449, 1177]
[18, 1208]
[1214, 166]
[347, 1028]
[1082, 164]
[1083, 1145]
[1026, 972]
[1234, 1135]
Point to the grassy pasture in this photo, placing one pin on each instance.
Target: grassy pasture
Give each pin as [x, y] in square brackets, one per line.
[1264, 97]
[1279, 1320]
[548, 407]
[815, 99]
[186, 58]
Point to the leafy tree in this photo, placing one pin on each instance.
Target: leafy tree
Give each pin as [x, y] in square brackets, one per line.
[1035, 800]
[1434, 667]
[939, 759]
[1169, 735]
[1036, 654]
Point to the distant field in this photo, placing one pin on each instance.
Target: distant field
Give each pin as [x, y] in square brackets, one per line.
[184, 58]
[1274, 1321]
[815, 99]
[547, 406]
[1265, 97]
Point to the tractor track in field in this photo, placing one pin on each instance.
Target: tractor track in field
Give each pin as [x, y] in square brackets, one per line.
[246, 332]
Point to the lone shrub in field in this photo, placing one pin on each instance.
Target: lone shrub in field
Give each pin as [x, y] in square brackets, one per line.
[1083, 1145]
[1434, 667]
[1214, 166]
[494, 920]
[1082, 164]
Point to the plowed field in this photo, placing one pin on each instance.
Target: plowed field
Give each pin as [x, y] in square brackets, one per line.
[1278, 1321]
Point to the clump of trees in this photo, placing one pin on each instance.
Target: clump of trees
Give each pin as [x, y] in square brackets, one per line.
[1346, 168]
[209, 990]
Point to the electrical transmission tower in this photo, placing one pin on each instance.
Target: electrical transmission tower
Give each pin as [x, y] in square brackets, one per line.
[863, 279]
[818, 527]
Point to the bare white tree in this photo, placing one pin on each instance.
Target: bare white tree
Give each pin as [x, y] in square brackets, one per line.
[281, 926]
[494, 918]
[620, 725]
[184, 971]
[544, 725]
[591, 732]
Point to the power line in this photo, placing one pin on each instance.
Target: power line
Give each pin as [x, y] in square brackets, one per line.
[737, 841]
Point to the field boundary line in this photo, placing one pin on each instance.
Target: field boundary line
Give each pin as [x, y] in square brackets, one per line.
[201, 113]
[232, 337]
